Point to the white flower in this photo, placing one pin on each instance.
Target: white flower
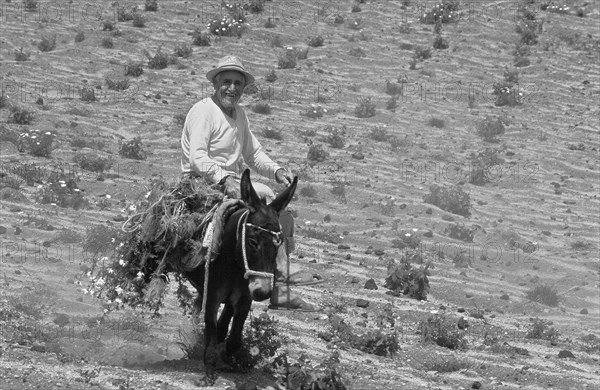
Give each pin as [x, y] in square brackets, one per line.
[76, 189]
[48, 133]
[112, 239]
[105, 258]
[100, 282]
[63, 185]
[140, 275]
[105, 311]
[407, 234]
[254, 351]
[111, 271]
[415, 230]
[40, 187]
[118, 289]
[122, 263]
[85, 291]
[132, 207]
[108, 196]
[324, 110]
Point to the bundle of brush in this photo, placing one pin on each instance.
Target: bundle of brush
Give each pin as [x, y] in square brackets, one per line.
[165, 236]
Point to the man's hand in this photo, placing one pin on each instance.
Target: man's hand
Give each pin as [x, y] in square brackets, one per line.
[282, 177]
[232, 188]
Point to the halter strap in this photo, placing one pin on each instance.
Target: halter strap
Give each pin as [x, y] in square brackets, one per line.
[243, 224]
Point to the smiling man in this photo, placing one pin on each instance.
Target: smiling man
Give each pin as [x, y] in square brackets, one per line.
[217, 141]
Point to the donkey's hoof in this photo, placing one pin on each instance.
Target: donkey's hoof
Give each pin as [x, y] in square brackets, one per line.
[206, 380]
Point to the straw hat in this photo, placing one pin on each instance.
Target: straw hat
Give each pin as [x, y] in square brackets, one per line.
[230, 63]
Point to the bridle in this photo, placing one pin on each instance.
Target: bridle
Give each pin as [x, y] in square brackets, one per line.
[278, 242]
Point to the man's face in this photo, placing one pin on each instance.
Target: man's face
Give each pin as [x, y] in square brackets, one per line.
[229, 87]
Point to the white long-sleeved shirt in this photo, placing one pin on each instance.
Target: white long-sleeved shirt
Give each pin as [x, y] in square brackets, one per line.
[213, 144]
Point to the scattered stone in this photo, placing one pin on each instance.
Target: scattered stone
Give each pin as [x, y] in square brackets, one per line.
[343, 246]
[463, 273]
[358, 156]
[193, 72]
[327, 218]
[18, 230]
[15, 209]
[429, 211]
[362, 323]
[476, 385]
[224, 383]
[355, 279]
[546, 233]
[428, 234]
[17, 272]
[370, 285]
[505, 297]
[325, 335]
[442, 307]
[448, 218]
[157, 96]
[565, 354]
[348, 256]
[469, 295]
[119, 218]
[379, 252]
[462, 323]
[461, 310]
[362, 303]
[2, 230]
[402, 206]
[583, 311]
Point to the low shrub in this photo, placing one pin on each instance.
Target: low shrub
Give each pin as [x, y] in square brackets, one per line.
[446, 12]
[37, 142]
[270, 23]
[126, 14]
[545, 294]
[507, 94]
[21, 55]
[405, 279]
[183, 50]
[20, 115]
[442, 331]
[445, 364]
[305, 374]
[107, 43]
[88, 94]
[79, 37]
[117, 85]
[308, 191]
[357, 52]
[261, 108]
[134, 69]
[108, 25]
[336, 137]
[440, 43]
[316, 153]
[272, 133]
[541, 329]
[365, 108]
[451, 199]
[489, 128]
[392, 88]
[288, 60]
[200, 38]
[459, 232]
[271, 76]
[315, 41]
[93, 162]
[133, 149]
[151, 5]
[159, 60]
[436, 122]
[61, 191]
[47, 43]
[379, 133]
[422, 53]
[314, 111]
[138, 20]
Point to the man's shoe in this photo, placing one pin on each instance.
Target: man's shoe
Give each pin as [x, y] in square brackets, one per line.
[300, 278]
[282, 299]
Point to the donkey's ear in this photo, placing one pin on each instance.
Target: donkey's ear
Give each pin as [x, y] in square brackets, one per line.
[249, 195]
[285, 197]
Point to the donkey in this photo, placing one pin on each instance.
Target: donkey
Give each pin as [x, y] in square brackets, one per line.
[242, 272]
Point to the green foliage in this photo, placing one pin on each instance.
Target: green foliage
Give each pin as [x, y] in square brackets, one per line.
[37, 143]
[316, 153]
[444, 364]
[87, 94]
[261, 108]
[308, 191]
[271, 76]
[507, 94]
[107, 43]
[440, 43]
[315, 41]
[270, 23]
[229, 25]
[126, 14]
[357, 52]
[305, 375]
[405, 279]
[380, 339]
[542, 330]
[93, 162]
[452, 199]
[159, 60]
[30, 5]
[261, 341]
[151, 5]
[108, 25]
[483, 166]
[446, 12]
[545, 294]
[21, 55]
[436, 122]
[134, 69]
[133, 149]
[20, 115]
[102, 239]
[183, 50]
[288, 60]
[335, 137]
[392, 88]
[139, 20]
[61, 191]
[79, 37]
[272, 133]
[314, 111]
[459, 232]
[489, 128]
[442, 331]
[117, 85]
[199, 38]
[422, 53]
[365, 108]
[326, 235]
[47, 43]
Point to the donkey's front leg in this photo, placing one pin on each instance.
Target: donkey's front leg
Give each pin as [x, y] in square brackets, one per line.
[240, 313]
[210, 340]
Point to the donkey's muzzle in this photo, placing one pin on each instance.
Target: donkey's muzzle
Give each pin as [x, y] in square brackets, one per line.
[260, 287]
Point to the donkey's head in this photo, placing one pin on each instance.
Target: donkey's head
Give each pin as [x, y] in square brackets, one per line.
[263, 236]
